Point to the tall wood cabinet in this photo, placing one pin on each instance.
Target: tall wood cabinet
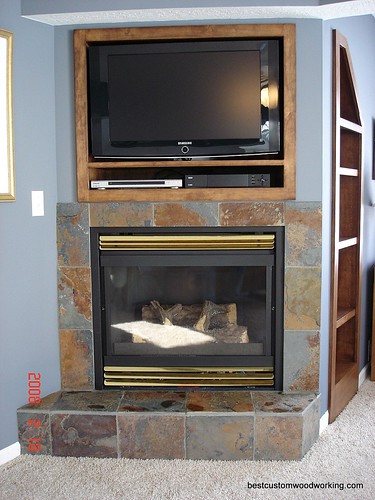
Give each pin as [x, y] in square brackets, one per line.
[346, 231]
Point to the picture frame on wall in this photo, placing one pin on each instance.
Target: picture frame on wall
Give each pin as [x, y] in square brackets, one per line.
[7, 184]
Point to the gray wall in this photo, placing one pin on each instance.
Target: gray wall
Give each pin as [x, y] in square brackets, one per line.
[28, 304]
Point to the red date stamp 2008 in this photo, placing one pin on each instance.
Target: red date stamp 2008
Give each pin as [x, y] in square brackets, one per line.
[34, 383]
[34, 392]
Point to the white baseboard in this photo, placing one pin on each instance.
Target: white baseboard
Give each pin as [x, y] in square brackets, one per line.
[9, 453]
[364, 374]
[324, 420]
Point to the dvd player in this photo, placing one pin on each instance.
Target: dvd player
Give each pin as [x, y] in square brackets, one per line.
[227, 180]
[137, 183]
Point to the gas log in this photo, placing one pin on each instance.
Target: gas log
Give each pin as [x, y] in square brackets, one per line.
[216, 320]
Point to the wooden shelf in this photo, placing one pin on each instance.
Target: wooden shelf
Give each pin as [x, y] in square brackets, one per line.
[346, 232]
[346, 243]
[344, 315]
[343, 368]
[349, 125]
[176, 195]
[182, 163]
[282, 169]
[351, 172]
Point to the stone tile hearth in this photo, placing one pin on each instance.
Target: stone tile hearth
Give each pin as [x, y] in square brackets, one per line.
[221, 425]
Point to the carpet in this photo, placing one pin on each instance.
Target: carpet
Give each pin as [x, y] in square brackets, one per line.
[341, 464]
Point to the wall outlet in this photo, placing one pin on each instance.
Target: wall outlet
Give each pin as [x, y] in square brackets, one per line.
[37, 203]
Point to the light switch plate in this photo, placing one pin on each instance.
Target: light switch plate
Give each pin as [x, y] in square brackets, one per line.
[37, 203]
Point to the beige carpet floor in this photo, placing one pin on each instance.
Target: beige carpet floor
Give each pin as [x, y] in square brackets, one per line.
[343, 456]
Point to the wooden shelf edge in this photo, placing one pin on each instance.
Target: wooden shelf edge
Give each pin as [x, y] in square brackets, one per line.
[347, 242]
[181, 195]
[349, 172]
[344, 315]
[192, 31]
[349, 125]
[183, 163]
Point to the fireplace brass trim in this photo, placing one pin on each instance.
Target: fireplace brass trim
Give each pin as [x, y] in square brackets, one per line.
[185, 369]
[195, 384]
[187, 242]
[188, 376]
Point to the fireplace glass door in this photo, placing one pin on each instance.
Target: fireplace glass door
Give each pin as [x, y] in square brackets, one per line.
[189, 310]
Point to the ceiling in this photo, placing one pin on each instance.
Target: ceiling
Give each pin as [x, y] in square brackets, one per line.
[127, 11]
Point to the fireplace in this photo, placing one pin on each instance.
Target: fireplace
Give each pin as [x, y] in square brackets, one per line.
[198, 307]
[205, 423]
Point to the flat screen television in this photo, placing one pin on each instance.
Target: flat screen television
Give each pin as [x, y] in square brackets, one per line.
[185, 99]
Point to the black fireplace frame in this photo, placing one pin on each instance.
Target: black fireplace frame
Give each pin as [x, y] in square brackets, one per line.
[99, 320]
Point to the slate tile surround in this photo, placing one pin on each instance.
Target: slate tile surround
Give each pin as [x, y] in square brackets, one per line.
[302, 221]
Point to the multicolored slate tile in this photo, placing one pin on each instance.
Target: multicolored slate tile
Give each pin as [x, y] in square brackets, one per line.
[34, 432]
[152, 401]
[301, 360]
[302, 298]
[89, 401]
[251, 214]
[185, 214]
[223, 437]
[76, 359]
[219, 401]
[121, 214]
[84, 435]
[156, 436]
[74, 294]
[278, 438]
[303, 223]
[73, 238]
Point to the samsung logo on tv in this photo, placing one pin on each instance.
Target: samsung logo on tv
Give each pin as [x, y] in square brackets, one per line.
[183, 143]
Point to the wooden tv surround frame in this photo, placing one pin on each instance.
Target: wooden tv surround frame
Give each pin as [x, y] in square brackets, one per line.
[89, 168]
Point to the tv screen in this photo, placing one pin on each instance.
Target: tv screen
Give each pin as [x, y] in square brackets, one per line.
[184, 99]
